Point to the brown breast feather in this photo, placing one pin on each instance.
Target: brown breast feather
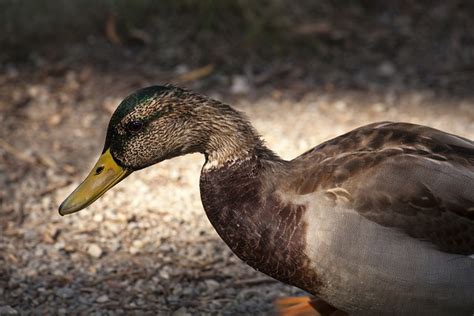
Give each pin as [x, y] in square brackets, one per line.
[262, 230]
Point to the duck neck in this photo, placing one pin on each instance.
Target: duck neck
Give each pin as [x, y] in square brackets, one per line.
[231, 139]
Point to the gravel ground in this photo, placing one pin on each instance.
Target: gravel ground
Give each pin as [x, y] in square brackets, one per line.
[147, 247]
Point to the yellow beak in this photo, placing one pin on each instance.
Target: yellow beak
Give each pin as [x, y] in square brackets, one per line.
[105, 174]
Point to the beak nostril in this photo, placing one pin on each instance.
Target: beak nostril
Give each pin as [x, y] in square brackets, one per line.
[99, 170]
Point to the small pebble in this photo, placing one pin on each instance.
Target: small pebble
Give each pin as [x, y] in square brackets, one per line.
[240, 85]
[212, 285]
[102, 299]
[94, 251]
[65, 292]
[164, 274]
[98, 217]
[8, 310]
[182, 311]
[133, 250]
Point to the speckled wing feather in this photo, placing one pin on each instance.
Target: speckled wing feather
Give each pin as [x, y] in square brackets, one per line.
[409, 177]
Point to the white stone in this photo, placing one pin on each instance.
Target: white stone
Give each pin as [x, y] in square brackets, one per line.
[240, 85]
[102, 299]
[94, 251]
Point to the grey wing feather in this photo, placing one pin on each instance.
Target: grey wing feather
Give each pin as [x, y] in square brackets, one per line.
[431, 201]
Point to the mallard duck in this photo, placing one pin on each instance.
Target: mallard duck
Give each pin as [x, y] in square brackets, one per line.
[377, 221]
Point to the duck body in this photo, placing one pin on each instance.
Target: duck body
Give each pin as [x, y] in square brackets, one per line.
[377, 221]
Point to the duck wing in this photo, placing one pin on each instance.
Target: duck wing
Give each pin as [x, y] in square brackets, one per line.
[413, 178]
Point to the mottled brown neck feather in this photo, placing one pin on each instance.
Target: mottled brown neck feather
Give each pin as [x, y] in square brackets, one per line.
[229, 137]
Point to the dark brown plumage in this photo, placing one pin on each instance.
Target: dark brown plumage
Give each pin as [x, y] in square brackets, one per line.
[262, 230]
[387, 208]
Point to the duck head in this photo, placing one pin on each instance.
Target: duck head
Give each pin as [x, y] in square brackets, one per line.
[158, 123]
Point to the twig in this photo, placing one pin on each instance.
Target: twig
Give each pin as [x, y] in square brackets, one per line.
[111, 30]
[53, 187]
[195, 74]
[41, 158]
[15, 152]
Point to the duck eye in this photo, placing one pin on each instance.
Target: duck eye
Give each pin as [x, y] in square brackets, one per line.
[134, 126]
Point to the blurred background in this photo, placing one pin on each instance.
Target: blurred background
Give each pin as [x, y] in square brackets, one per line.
[303, 71]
